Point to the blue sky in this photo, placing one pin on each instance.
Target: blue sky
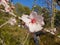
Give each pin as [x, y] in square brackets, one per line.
[29, 3]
